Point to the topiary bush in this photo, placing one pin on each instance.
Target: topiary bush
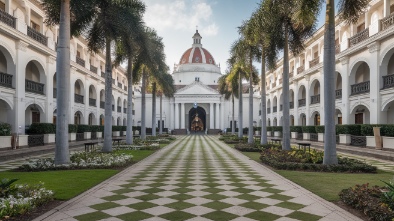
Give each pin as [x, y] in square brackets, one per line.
[82, 128]
[319, 129]
[5, 129]
[123, 128]
[116, 128]
[72, 128]
[353, 129]
[42, 128]
[387, 130]
[277, 128]
[94, 128]
[297, 129]
[309, 129]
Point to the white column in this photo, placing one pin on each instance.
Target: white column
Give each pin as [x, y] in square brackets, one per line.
[307, 102]
[374, 87]
[386, 9]
[321, 112]
[222, 125]
[183, 126]
[8, 8]
[50, 69]
[176, 116]
[217, 116]
[211, 116]
[172, 116]
[296, 114]
[345, 91]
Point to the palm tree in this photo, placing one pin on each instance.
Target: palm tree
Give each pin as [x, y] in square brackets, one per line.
[59, 12]
[230, 90]
[296, 21]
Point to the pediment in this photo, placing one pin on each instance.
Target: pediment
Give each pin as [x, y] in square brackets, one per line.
[197, 88]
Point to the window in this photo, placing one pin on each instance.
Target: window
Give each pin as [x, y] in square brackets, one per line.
[197, 79]
[35, 117]
[391, 9]
[361, 27]
[316, 54]
[78, 54]
[197, 59]
[2, 6]
[34, 26]
[340, 120]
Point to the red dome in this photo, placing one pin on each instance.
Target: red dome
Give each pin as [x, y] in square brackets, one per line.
[199, 55]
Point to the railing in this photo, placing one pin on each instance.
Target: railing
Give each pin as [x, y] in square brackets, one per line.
[120, 85]
[291, 74]
[388, 81]
[5, 79]
[268, 110]
[102, 74]
[360, 141]
[314, 62]
[275, 109]
[387, 22]
[78, 98]
[79, 137]
[80, 61]
[314, 137]
[92, 102]
[291, 105]
[301, 103]
[300, 136]
[300, 69]
[35, 140]
[359, 37]
[93, 69]
[54, 92]
[102, 104]
[338, 94]
[360, 88]
[124, 110]
[37, 36]
[34, 87]
[315, 99]
[7, 19]
[119, 109]
[337, 49]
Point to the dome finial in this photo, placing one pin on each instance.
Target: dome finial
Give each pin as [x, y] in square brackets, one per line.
[197, 38]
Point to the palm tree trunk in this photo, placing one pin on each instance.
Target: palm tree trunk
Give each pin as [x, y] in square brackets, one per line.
[62, 155]
[263, 139]
[330, 152]
[286, 104]
[143, 106]
[154, 109]
[233, 124]
[129, 131]
[161, 115]
[107, 146]
[240, 129]
[250, 130]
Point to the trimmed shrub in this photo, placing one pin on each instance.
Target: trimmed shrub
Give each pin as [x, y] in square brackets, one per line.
[72, 128]
[82, 128]
[42, 128]
[5, 129]
[297, 129]
[257, 128]
[277, 128]
[116, 128]
[100, 128]
[123, 128]
[353, 129]
[387, 130]
[270, 128]
[245, 147]
[320, 129]
[94, 128]
[309, 129]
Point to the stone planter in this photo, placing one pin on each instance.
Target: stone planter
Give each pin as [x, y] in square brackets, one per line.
[294, 135]
[344, 139]
[49, 138]
[388, 142]
[257, 132]
[87, 135]
[99, 134]
[277, 134]
[5, 142]
[137, 132]
[115, 133]
[23, 140]
[320, 137]
[306, 136]
[370, 141]
[268, 133]
[72, 136]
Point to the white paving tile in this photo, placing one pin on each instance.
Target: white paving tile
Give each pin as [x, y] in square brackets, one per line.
[198, 210]
[239, 210]
[278, 210]
[233, 201]
[118, 210]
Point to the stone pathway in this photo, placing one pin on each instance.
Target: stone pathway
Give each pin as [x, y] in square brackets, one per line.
[197, 178]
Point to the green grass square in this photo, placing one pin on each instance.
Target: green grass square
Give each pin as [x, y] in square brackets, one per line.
[248, 197]
[182, 190]
[217, 205]
[148, 197]
[303, 216]
[152, 190]
[134, 216]
[215, 196]
[213, 190]
[272, 190]
[104, 206]
[184, 185]
[157, 184]
[129, 185]
[259, 215]
[254, 205]
[114, 198]
[122, 191]
[220, 216]
[181, 197]
[290, 205]
[243, 190]
[179, 205]
[280, 197]
[92, 216]
[142, 205]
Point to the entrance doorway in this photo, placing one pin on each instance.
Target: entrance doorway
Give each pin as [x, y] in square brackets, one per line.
[197, 119]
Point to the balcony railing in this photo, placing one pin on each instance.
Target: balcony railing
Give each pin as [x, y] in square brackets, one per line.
[119, 109]
[268, 110]
[291, 74]
[37, 36]
[359, 37]
[275, 109]
[300, 69]
[34, 87]
[291, 105]
[338, 94]
[5, 79]
[387, 22]
[314, 62]
[93, 69]
[124, 110]
[388, 81]
[80, 61]
[337, 49]
[120, 85]
[360, 88]
[315, 99]
[78, 98]
[302, 102]
[92, 102]
[102, 104]
[54, 92]
[7, 19]
[102, 74]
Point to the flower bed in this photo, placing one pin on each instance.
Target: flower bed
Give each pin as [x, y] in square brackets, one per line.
[245, 147]
[311, 161]
[154, 146]
[80, 160]
[19, 199]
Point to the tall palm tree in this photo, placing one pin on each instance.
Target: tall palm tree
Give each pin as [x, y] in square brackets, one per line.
[296, 21]
[230, 90]
[59, 12]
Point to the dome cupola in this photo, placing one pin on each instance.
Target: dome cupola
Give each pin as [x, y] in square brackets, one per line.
[197, 54]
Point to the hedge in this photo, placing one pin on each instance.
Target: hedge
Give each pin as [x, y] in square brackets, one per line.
[5, 129]
[72, 128]
[42, 128]
[353, 129]
[277, 128]
[94, 128]
[82, 128]
[319, 129]
[297, 129]
[309, 129]
[116, 128]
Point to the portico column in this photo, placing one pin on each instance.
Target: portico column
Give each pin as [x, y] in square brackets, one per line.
[217, 116]
[374, 112]
[8, 4]
[176, 116]
[172, 116]
[345, 91]
[182, 116]
[308, 102]
[211, 116]
[386, 8]
[295, 101]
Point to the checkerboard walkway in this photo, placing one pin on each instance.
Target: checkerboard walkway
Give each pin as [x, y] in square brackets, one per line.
[197, 178]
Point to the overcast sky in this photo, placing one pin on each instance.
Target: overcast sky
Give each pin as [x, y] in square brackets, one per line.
[217, 21]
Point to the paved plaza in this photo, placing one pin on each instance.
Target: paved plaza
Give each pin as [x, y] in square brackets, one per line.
[197, 178]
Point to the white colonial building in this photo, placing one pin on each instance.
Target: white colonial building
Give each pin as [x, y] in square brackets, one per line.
[364, 74]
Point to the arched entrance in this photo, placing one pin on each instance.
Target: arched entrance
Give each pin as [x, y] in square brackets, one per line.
[197, 119]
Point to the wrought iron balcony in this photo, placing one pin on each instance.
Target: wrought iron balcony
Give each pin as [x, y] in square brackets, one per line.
[93, 69]
[78, 98]
[268, 110]
[314, 62]
[291, 105]
[54, 92]
[315, 99]
[301, 103]
[80, 61]
[92, 102]
[7, 19]
[359, 37]
[102, 74]
[275, 109]
[120, 85]
[338, 94]
[337, 49]
[37, 36]
[124, 110]
[34, 87]
[386, 22]
[360, 88]
[5, 79]
[300, 69]
[388, 81]
[102, 104]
